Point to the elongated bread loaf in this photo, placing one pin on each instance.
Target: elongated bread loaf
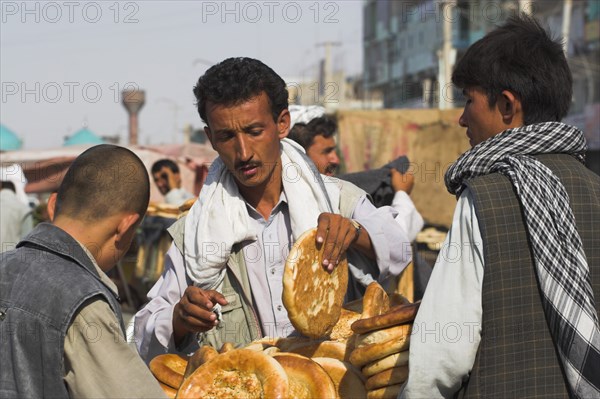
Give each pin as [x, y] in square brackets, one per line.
[389, 392]
[168, 369]
[388, 362]
[397, 315]
[369, 353]
[396, 375]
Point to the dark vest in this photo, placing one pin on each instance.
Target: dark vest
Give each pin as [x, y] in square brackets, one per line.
[43, 283]
[516, 357]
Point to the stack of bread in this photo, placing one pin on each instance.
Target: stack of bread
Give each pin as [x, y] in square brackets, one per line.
[356, 351]
[382, 342]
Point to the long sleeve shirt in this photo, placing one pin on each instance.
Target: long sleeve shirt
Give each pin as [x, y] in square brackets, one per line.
[98, 361]
[408, 217]
[154, 323]
[447, 329]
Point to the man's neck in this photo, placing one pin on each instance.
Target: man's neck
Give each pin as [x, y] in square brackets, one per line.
[264, 197]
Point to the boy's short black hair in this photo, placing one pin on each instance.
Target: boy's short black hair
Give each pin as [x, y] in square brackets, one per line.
[520, 57]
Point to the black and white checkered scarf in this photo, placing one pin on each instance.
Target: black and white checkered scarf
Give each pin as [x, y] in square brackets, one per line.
[560, 263]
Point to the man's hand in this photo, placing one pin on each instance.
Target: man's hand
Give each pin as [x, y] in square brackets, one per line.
[336, 233]
[193, 313]
[402, 181]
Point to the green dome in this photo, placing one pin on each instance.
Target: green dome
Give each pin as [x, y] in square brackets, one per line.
[83, 136]
[8, 140]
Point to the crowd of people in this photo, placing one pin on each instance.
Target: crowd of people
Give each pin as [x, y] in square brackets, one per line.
[515, 315]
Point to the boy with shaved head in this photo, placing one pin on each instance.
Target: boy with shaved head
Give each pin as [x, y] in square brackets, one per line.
[60, 319]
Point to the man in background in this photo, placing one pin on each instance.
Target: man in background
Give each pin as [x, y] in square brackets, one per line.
[316, 136]
[15, 214]
[167, 178]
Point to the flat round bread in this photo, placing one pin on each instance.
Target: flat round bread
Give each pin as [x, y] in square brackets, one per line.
[396, 375]
[307, 379]
[388, 362]
[375, 301]
[348, 381]
[333, 349]
[226, 347]
[282, 343]
[312, 296]
[342, 329]
[201, 356]
[369, 353]
[389, 392]
[240, 373]
[168, 369]
[386, 334]
[397, 315]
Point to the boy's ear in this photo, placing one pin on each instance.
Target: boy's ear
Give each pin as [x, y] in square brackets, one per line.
[51, 205]
[510, 108]
[126, 225]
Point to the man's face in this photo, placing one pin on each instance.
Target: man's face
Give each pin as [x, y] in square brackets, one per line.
[481, 121]
[161, 179]
[247, 140]
[322, 152]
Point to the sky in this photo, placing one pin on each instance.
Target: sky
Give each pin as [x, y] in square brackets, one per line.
[64, 64]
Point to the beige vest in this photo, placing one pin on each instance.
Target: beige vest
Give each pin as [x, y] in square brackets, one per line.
[240, 324]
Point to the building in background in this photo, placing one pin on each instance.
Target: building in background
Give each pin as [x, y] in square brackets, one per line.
[403, 45]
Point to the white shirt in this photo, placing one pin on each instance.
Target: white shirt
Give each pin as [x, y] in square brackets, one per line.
[177, 196]
[447, 329]
[408, 217]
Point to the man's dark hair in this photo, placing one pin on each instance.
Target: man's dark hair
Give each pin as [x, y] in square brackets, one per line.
[236, 80]
[304, 134]
[161, 163]
[8, 185]
[102, 181]
[520, 57]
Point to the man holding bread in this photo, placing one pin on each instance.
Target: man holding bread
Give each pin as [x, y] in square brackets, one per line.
[511, 309]
[60, 316]
[223, 276]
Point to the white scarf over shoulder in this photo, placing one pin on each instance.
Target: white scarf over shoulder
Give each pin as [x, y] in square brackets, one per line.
[219, 218]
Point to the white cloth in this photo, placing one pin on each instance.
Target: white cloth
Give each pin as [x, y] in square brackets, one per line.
[14, 174]
[447, 329]
[408, 217]
[304, 113]
[177, 196]
[15, 220]
[219, 219]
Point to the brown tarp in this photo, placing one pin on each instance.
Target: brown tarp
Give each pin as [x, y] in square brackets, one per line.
[430, 138]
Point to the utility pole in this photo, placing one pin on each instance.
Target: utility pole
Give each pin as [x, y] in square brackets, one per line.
[328, 78]
[525, 6]
[566, 24]
[446, 57]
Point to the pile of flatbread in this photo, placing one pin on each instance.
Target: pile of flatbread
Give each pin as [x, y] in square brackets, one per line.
[382, 342]
[356, 351]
